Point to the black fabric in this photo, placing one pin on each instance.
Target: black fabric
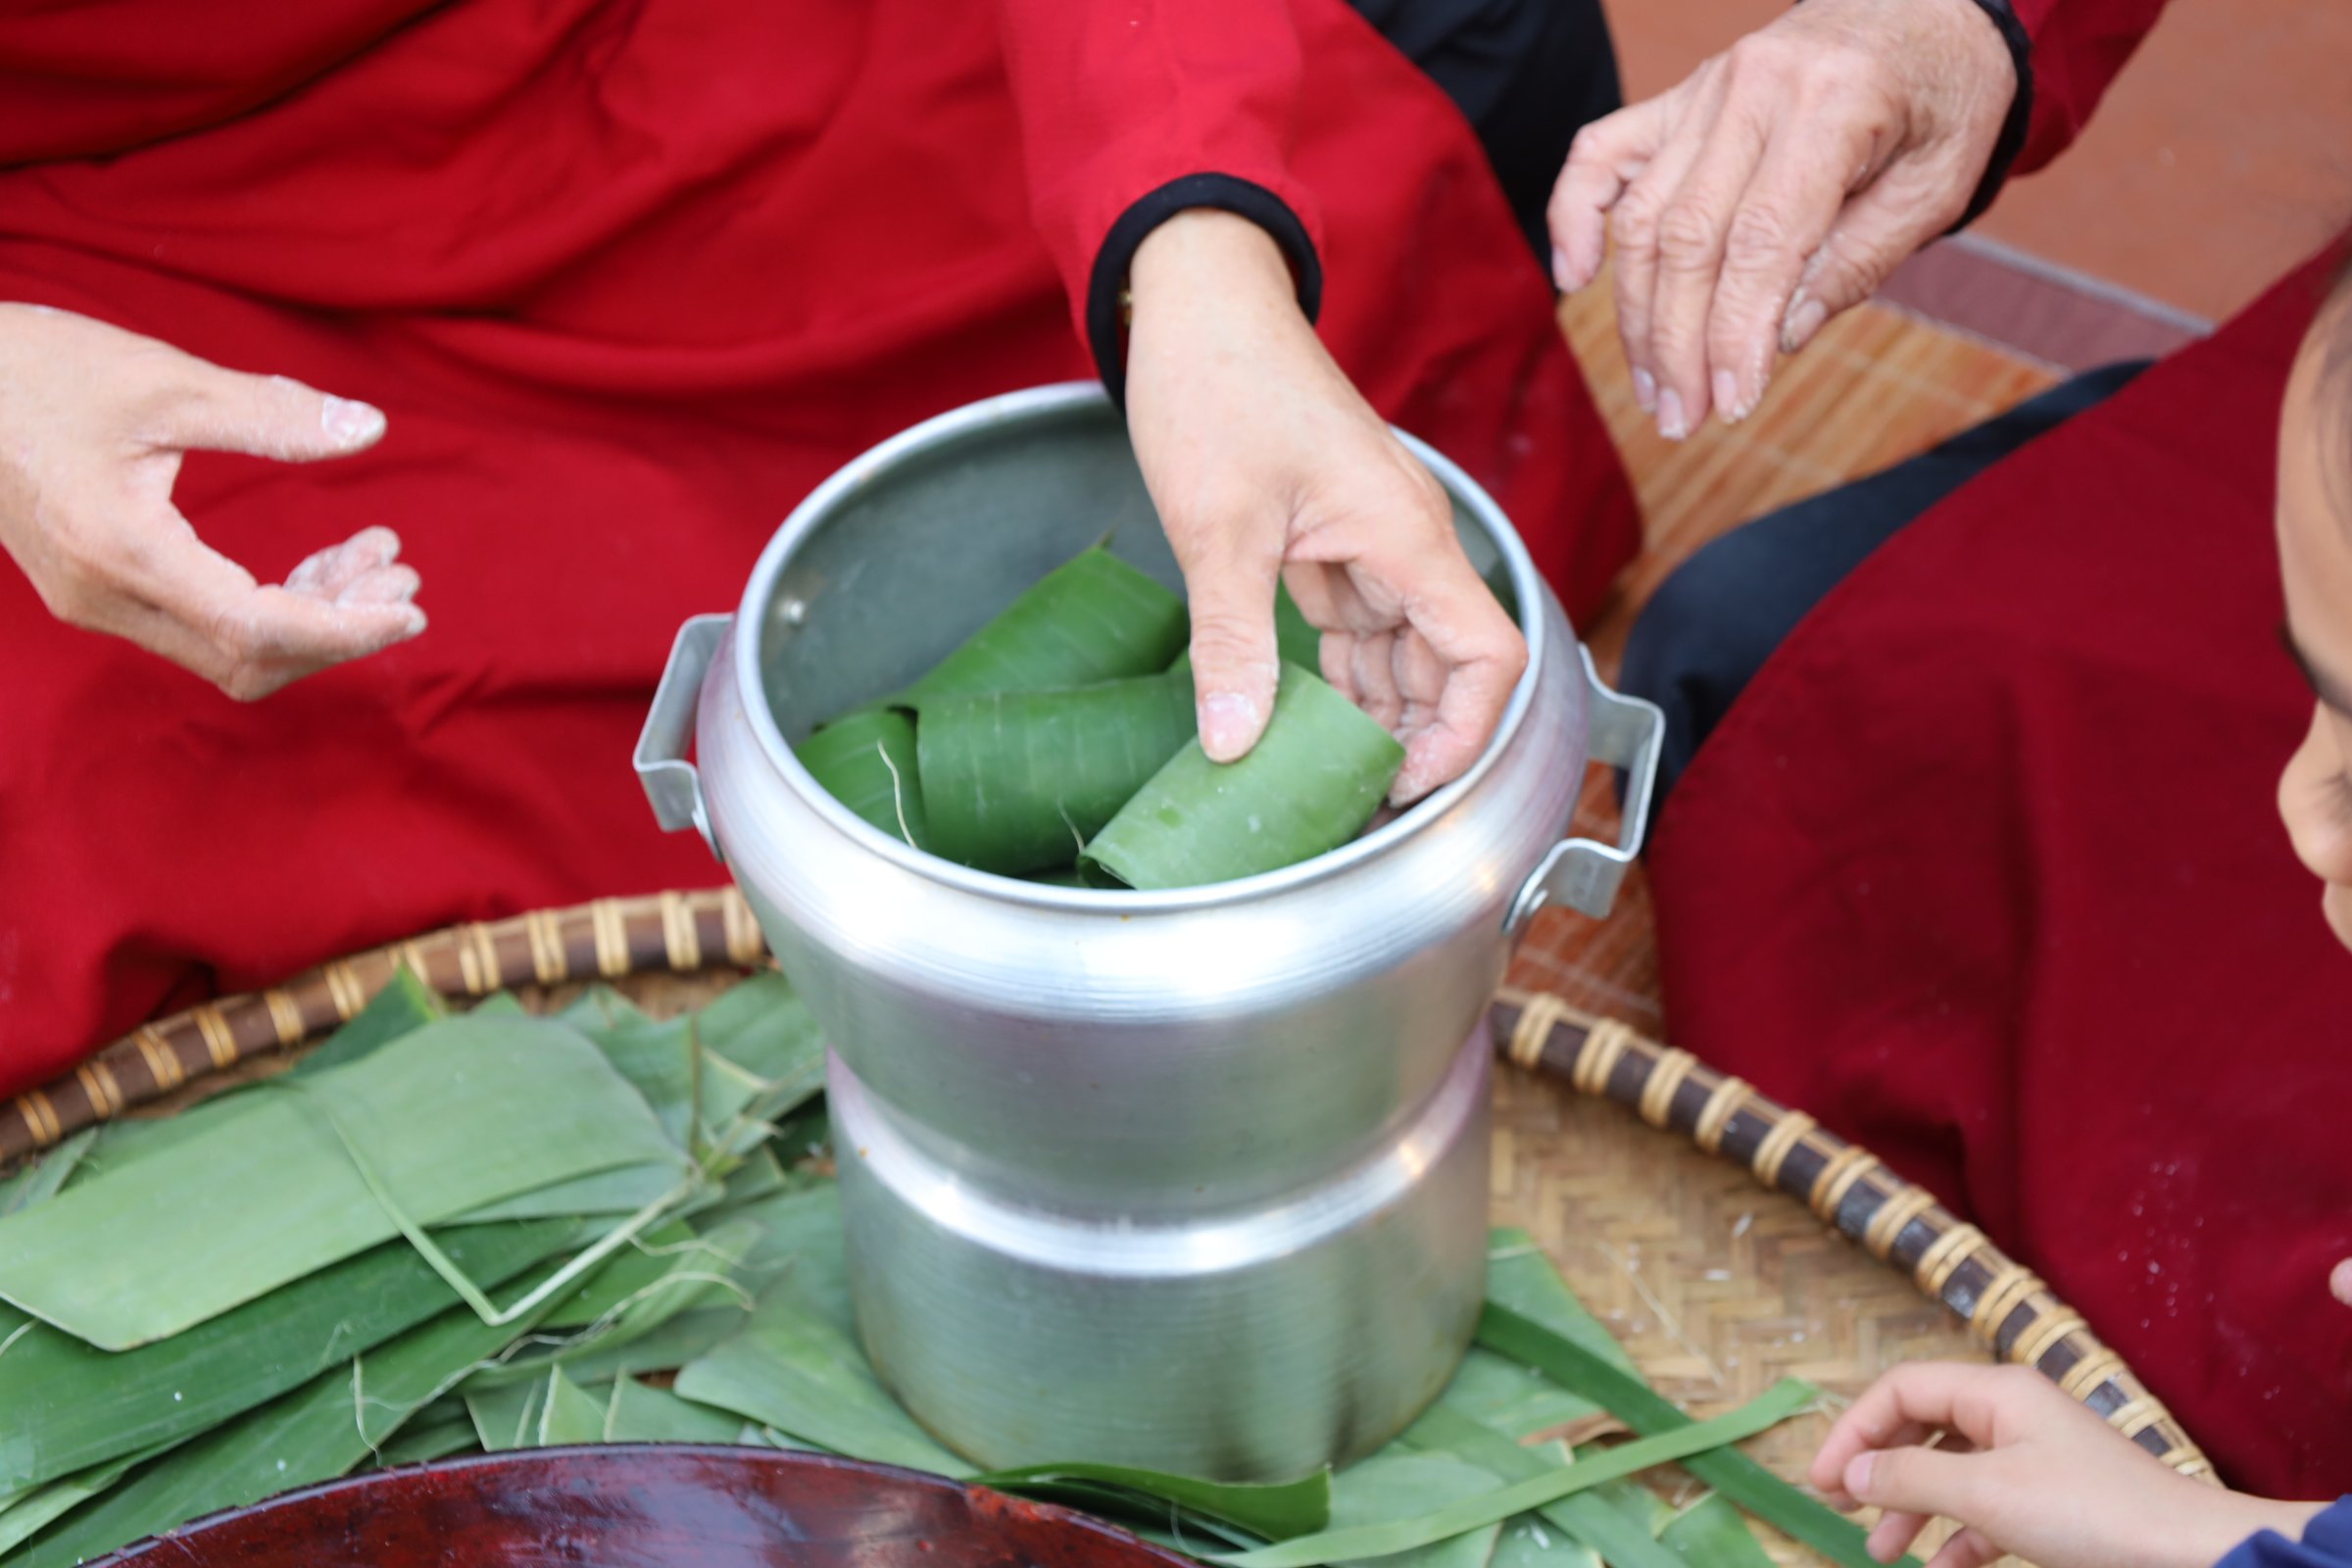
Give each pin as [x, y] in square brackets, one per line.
[1528, 74]
[1713, 623]
[2020, 120]
[1106, 317]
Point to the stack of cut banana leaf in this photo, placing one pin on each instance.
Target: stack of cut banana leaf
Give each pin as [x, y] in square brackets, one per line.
[441, 1234]
[1058, 744]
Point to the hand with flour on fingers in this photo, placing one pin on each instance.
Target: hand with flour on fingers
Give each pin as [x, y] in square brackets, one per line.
[2006, 1454]
[1266, 463]
[1778, 185]
[93, 425]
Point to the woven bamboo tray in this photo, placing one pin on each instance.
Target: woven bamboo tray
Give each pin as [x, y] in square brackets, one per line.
[1754, 1245]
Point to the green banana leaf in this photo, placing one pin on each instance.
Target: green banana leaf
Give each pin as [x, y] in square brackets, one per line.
[69, 1406]
[42, 1180]
[1093, 618]
[1277, 1512]
[792, 1370]
[325, 1429]
[1512, 1398]
[868, 761]
[661, 1348]
[640, 1413]
[1767, 1411]
[1592, 1519]
[1711, 1534]
[800, 1248]
[405, 1006]
[422, 1441]
[27, 1514]
[1730, 1472]
[1521, 1278]
[1395, 1485]
[1297, 640]
[672, 1272]
[570, 1413]
[505, 1414]
[1308, 787]
[1527, 1542]
[279, 1186]
[1018, 781]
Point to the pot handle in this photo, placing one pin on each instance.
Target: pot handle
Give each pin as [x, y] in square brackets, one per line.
[671, 785]
[1627, 732]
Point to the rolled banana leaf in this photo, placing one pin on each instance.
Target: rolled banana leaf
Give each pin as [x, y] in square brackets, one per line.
[1308, 787]
[1094, 619]
[866, 760]
[1018, 781]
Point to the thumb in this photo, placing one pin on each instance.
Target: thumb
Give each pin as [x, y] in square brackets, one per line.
[1235, 666]
[269, 417]
[1875, 233]
[1919, 1481]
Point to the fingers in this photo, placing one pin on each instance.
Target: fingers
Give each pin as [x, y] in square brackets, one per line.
[1920, 1482]
[1922, 1396]
[1235, 666]
[202, 611]
[2339, 1282]
[1693, 232]
[267, 417]
[1607, 155]
[1968, 1548]
[1790, 203]
[1881, 226]
[1468, 640]
[1635, 224]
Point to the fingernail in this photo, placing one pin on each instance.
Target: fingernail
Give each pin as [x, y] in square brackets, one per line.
[350, 424]
[1671, 423]
[1645, 391]
[1728, 405]
[1559, 269]
[414, 623]
[1857, 1475]
[1228, 722]
[1804, 319]
[2340, 1281]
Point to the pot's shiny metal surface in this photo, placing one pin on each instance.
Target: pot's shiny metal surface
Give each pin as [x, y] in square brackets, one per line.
[1189, 1178]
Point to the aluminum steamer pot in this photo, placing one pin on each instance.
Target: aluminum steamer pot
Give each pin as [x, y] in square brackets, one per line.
[1193, 1180]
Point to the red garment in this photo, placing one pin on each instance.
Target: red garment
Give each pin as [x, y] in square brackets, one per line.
[2079, 46]
[629, 280]
[1983, 870]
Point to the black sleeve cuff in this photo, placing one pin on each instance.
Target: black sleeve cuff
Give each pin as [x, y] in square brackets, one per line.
[1105, 315]
[2021, 112]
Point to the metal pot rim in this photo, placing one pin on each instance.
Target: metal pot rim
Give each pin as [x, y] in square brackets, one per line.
[1021, 407]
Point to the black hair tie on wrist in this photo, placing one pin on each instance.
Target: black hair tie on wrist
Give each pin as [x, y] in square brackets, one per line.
[2012, 140]
[1104, 324]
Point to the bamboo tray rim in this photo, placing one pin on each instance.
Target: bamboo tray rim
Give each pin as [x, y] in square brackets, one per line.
[2003, 1303]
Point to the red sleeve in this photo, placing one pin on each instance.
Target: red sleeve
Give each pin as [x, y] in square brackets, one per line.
[2078, 47]
[1133, 110]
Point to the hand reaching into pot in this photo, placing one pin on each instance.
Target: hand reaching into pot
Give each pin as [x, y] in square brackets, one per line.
[93, 423]
[1777, 186]
[1265, 462]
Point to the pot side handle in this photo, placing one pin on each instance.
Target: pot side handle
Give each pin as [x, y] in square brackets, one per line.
[671, 785]
[1581, 873]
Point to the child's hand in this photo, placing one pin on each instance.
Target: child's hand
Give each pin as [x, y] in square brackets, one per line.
[2024, 1469]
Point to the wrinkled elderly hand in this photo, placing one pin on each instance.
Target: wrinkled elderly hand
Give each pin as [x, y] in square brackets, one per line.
[1265, 462]
[1777, 186]
[93, 423]
[2024, 1469]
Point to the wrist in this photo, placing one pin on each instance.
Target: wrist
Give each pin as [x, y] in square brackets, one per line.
[1205, 250]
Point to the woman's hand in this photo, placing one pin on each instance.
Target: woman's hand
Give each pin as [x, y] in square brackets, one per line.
[93, 422]
[2024, 1469]
[1265, 462]
[1777, 186]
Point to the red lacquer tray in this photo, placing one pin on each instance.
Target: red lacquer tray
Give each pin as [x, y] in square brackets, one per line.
[646, 1506]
